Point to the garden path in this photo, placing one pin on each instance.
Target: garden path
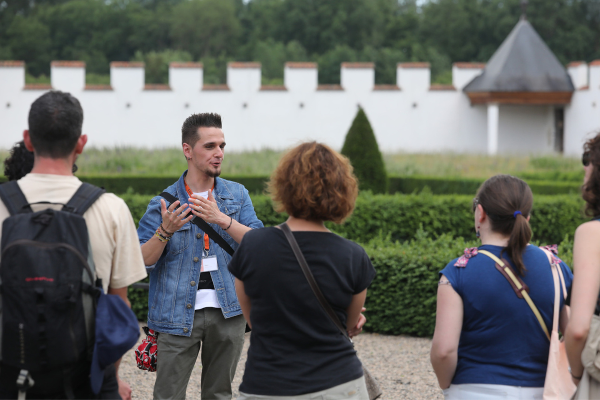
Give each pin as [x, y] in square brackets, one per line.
[400, 364]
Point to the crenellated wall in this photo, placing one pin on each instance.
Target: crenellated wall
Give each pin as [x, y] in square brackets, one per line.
[412, 116]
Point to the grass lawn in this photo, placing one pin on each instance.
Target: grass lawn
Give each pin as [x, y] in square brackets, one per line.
[170, 161]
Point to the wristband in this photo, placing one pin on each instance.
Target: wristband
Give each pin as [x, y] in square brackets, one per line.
[166, 231]
[230, 222]
[161, 237]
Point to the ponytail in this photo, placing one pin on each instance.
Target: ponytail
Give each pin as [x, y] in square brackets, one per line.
[508, 201]
[518, 241]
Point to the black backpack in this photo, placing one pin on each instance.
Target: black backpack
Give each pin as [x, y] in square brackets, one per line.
[48, 294]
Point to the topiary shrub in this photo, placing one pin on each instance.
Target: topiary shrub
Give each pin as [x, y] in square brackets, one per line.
[362, 150]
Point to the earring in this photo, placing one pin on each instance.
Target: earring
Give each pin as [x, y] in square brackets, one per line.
[477, 233]
[188, 158]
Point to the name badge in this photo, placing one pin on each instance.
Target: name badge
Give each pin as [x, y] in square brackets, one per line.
[209, 264]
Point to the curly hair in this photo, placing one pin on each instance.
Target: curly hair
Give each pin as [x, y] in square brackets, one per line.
[315, 183]
[590, 191]
[19, 163]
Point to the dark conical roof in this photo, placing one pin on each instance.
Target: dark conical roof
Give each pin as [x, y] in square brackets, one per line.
[523, 63]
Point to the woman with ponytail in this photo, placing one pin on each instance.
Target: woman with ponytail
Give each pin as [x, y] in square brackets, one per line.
[585, 304]
[488, 343]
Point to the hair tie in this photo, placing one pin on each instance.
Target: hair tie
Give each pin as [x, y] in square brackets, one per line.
[516, 213]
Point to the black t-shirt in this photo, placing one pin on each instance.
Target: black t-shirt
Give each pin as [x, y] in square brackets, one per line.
[294, 347]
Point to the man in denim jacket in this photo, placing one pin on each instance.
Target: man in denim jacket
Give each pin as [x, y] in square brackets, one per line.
[192, 299]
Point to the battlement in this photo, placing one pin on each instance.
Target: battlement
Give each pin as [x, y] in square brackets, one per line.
[241, 77]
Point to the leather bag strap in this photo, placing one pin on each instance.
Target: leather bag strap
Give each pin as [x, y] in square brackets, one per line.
[520, 288]
[311, 280]
[204, 226]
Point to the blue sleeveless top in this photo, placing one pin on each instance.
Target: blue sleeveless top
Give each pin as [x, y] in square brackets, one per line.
[502, 342]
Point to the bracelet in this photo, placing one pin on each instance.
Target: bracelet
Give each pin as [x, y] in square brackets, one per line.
[575, 377]
[230, 222]
[166, 231]
[161, 237]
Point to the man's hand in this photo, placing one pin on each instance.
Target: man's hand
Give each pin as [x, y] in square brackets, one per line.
[358, 328]
[124, 389]
[208, 210]
[173, 218]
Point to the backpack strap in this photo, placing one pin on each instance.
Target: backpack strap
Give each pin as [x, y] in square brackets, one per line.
[515, 281]
[13, 198]
[204, 226]
[83, 198]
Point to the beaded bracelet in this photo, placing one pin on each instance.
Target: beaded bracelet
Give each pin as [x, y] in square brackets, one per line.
[166, 231]
[161, 237]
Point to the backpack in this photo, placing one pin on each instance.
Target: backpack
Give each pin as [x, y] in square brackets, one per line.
[48, 294]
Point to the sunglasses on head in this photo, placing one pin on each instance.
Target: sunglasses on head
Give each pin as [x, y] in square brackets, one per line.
[475, 203]
[586, 159]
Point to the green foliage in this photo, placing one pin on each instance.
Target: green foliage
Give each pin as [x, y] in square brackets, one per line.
[401, 216]
[157, 63]
[402, 297]
[97, 79]
[469, 186]
[153, 185]
[362, 149]
[327, 31]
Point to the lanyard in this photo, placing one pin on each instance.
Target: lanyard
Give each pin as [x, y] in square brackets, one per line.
[206, 238]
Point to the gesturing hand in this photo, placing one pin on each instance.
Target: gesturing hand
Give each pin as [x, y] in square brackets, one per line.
[173, 218]
[207, 209]
[358, 328]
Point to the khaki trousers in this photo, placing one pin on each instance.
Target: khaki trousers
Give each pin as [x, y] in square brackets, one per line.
[353, 390]
[221, 340]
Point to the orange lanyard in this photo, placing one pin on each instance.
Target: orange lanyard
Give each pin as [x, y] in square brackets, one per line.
[206, 238]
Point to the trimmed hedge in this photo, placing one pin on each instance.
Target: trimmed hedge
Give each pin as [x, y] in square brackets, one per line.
[400, 216]
[397, 184]
[469, 186]
[402, 297]
[148, 184]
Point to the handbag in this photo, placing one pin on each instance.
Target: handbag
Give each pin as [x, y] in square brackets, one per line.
[589, 386]
[558, 384]
[145, 354]
[373, 388]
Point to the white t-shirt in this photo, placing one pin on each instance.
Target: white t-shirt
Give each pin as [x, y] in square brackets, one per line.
[206, 298]
[113, 237]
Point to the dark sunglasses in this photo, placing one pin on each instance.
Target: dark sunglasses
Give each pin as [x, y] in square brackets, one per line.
[585, 159]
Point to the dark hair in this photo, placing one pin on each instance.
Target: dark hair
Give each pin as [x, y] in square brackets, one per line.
[55, 121]
[314, 182]
[189, 130]
[590, 191]
[501, 197]
[19, 163]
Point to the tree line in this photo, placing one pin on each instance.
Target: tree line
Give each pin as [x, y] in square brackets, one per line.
[275, 31]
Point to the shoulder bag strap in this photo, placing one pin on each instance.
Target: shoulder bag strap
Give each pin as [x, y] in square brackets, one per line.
[83, 198]
[519, 287]
[311, 280]
[13, 198]
[204, 226]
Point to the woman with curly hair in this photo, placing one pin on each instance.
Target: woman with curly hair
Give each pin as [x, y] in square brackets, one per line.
[586, 266]
[296, 351]
[19, 163]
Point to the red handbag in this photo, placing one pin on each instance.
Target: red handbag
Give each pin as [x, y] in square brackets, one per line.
[145, 354]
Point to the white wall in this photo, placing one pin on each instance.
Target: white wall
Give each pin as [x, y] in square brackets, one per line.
[416, 118]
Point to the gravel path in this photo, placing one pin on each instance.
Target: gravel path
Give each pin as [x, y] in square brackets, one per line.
[400, 364]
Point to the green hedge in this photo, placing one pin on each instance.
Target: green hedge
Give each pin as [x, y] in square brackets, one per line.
[400, 216]
[552, 183]
[402, 297]
[148, 184]
[469, 186]
[555, 176]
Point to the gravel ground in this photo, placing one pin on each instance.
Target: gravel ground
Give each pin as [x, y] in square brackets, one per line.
[400, 364]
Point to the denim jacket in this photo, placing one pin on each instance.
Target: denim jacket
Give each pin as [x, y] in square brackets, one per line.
[174, 278]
